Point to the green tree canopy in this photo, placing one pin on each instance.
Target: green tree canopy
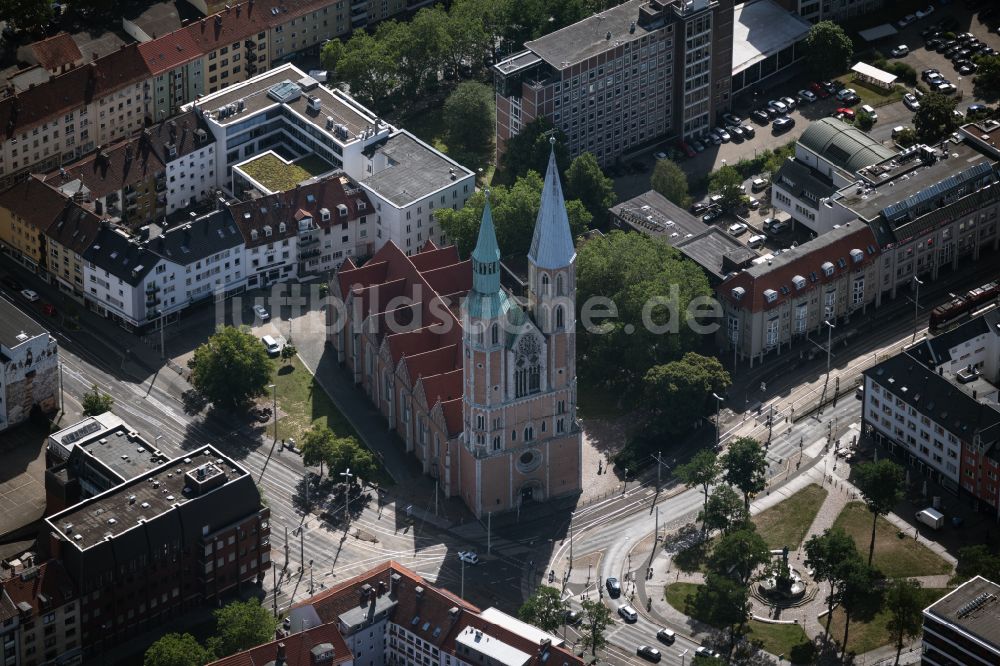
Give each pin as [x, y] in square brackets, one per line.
[28, 15]
[702, 470]
[739, 553]
[330, 55]
[723, 511]
[240, 625]
[935, 118]
[529, 149]
[176, 650]
[369, 67]
[977, 560]
[721, 602]
[826, 553]
[828, 50]
[907, 137]
[231, 368]
[586, 182]
[348, 453]
[905, 605]
[469, 38]
[645, 281]
[987, 74]
[515, 210]
[96, 402]
[744, 466]
[860, 593]
[545, 609]
[726, 182]
[680, 392]
[670, 180]
[881, 486]
[596, 619]
[469, 113]
[318, 446]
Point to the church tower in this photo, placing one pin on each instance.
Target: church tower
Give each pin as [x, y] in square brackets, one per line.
[552, 282]
[483, 340]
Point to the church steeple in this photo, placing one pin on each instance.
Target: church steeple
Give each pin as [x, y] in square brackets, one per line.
[552, 243]
[486, 256]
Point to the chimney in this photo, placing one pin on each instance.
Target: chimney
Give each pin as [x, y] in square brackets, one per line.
[365, 591]
[394, 583]
[381, 588]
[419, 591]
[453, 614]
[279, 659]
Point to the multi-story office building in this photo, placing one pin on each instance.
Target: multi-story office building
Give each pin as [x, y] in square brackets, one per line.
[184, 533]
[937, 405]
[283, 109]
[831, 10]
[635, 73]
[47, 624]
[391, 615]
[29, 367]
[962, 627]
[783, 299]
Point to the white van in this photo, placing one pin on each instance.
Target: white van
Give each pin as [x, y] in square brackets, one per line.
[931, 518]
[756, 241]
[272, 346]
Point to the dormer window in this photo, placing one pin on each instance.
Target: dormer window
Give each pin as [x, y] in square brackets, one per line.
[324, 214]
[738, 293]
[342, 210]
[281, 227]
[799, 282]
[857, 255]
[362, 205]
[770, 295]
[827, 268]
[253, 234]
[267, 230]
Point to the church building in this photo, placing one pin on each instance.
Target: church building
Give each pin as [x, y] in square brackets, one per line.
[479, 384]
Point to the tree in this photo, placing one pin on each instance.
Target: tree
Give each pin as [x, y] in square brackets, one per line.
[826, 553]
[330, 55]
[670, 180]
[515, 210]
[740, 553]
[28, 15]
[240, 625]
[348, 453]
[864, 121]
[288, 352]
[176, 650]
[881, 487]
[586, 182]
[977, 560]
[859, 594]
[369, 68]
[727, 182]
[828, 50]
[545, 609]
[679, 393]
[905, 605]
[469, 114]
[907, 137]
[231, 368]
[723, 511]
[935, 118]
[529, 149]
[702, 470]
[987, 73]
[318, 447]
[596, 619]
[744, 466]
[468, 39]
[95, 402]
[721, 602]
[420, 45]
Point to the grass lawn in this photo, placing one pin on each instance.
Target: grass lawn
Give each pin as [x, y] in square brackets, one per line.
[303, 403]
[866, 636]
[776, 638]
[786, 523]
[870, 94]
[894, 557]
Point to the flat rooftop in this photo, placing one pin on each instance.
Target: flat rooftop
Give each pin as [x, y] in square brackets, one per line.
[482, 643]
[974, 607]
[254, 93]
[589, 37]
[124, 452]
[142, 498]
[278, 176]
[13, 323]
[408, 169]
[761, 29]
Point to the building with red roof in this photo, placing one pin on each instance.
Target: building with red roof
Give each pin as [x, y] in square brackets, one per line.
[46, 611]
[479, 384]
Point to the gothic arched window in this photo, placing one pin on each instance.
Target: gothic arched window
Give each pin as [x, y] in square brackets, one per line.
[559, 285]
[528, 367]
[545, 284]
[560, 318]
[495, 334]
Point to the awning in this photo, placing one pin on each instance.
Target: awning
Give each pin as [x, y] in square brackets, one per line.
[878, 32]
[874, 74]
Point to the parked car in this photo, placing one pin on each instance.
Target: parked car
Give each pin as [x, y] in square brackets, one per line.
[900, 51]
[946, 88]
[910, 101]
[737, 229]
[846, 113]
[29, 295]
[731, 119]
[698, 146]
[867, 108]
[755, 241]
[711, 216]
[897, 130]
[271, 345]
[905, 21]
[819, 90]
[736, 132]
[614, 587]
[49, 309]
[723, 134]
[686, 149]
[845, 93]
[975, 109]
[783, 124]
[573, 617]
[660, 155]
[789, 102]
[699, 207]
[468, 556]
[831, 86]
[666, 636]
[753, 204]
[927, 73]
[967, 68]
[807, 96]
[703, 651]
[714, 137]
[648, 653]
[261, 312]
[778, 106]
[749, 131]
[628, 613]
[850, 100]
[760, 117]
[758, 184]
[11, 283]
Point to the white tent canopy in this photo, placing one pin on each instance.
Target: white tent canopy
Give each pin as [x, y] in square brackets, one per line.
[874, 75]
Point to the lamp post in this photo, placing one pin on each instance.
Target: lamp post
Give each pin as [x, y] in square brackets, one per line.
[829, 345]
[916, 304]
[463, 577]
[274, 408]
[347, 494]
[718, 401]
[163, 353]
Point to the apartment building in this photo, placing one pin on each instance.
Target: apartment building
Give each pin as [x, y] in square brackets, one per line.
[285, 110]
[26, 211]
[9, 619]
[66, 239]
[937, 405]
[962, 626]
[930, 207]
[391, 615]
[827, 157]
[623, 78]
[48, 612]
[29, 367]
[784, 298]
[185, 533]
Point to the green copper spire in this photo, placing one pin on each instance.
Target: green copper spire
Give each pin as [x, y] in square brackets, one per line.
[486, 256]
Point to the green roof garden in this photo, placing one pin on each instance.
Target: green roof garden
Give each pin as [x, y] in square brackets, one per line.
[277, 175]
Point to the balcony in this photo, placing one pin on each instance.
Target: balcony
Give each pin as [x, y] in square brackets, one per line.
[309, 254]
[151, 288]
[308, 241]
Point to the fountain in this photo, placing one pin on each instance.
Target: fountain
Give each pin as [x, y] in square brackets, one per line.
[784, 584]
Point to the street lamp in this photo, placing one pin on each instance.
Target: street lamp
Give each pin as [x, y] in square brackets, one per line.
[683, 656]
[163, 353]
[718, 401]
[829, 345]
[347, 496]
[916, 304]
[274, 408]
